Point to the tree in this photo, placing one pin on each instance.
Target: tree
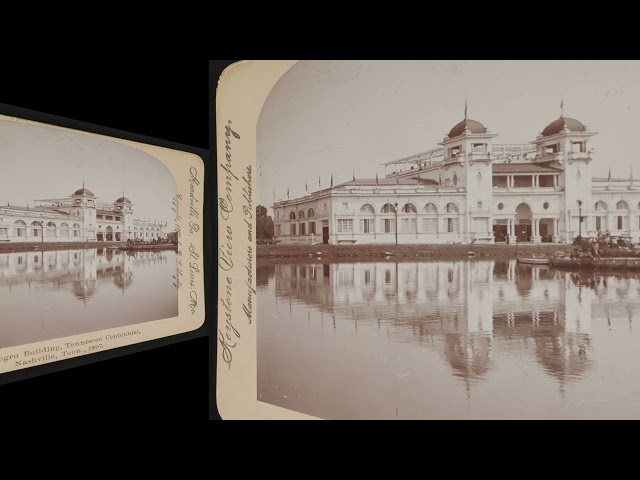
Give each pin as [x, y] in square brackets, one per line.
[264, 224]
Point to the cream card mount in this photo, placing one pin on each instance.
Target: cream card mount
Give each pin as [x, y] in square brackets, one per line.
[101, 242]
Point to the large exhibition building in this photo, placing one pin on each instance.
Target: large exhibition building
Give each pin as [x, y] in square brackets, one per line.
[471, 189]
[78, 218]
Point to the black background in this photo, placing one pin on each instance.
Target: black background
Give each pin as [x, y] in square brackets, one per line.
[164, 99]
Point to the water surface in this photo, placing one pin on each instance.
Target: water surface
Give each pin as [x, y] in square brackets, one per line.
[47, 295]
[447, 339]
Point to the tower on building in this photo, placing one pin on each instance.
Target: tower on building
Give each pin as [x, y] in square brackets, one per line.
[84, 207]
[468, 165]
[124, 206]
[564, 144]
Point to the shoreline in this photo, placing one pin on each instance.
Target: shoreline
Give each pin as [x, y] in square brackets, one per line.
[426, 251]
[49, 246]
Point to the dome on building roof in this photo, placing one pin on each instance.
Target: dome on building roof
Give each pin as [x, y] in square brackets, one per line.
[467, 123]
[558, 125]
[123, 200]
[84, 191]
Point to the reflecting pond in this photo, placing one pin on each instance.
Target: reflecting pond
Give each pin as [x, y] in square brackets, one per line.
[447, 339]
[53, 294]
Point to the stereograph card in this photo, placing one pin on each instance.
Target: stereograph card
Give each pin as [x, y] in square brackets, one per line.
[101, 243]
[428, 240]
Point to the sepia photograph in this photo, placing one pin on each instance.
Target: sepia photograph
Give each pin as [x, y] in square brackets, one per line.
[433, 240]
[88, 240]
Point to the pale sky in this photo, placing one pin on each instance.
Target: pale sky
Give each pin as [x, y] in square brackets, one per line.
[40, 163]
[341, 116]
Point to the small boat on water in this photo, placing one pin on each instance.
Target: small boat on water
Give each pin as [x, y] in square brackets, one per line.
[530, 258]
[533, 261]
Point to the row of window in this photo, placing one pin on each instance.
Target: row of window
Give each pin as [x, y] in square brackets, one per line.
[429, 225]
[108, 217]
[453, 208]
[387, 225]
[621, 205]
[452, 225]
[23, 232]
[20, 229]
[367, 208]
[410, 225]
[408, 208]
[292, 216]
[620, 222]
[305, 229]
[20, 223]
[576, 147]
[50, 230]
[523, 181]
[52, 225]
[37, 232]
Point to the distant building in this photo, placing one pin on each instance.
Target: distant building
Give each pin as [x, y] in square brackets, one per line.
[77, 218]
[472, 190]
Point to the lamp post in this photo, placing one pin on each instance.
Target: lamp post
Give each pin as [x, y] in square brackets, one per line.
[580, 218]
[396, 205]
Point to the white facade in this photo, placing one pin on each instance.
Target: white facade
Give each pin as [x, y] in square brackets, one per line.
[78, 218]
[472, 190]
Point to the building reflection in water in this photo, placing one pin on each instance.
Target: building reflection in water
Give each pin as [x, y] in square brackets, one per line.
[78, 271]
[466, 310]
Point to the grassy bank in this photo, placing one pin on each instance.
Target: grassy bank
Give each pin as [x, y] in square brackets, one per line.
[408, 251]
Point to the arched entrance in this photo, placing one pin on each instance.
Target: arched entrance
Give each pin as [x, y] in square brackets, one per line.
[109, 234]
[523, 222]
